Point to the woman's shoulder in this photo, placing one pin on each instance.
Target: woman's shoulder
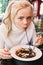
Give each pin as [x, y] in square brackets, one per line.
[3, 29]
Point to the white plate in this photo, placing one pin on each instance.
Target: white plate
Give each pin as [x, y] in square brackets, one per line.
[36, 50]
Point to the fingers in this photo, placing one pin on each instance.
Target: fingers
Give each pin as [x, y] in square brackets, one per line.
[4, 54]
[39, 36]
[39, 39]
[1, 55]
[6, 51]
[6, 57]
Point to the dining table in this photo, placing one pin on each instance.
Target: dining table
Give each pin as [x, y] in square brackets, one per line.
[19, 62]
[36, 62]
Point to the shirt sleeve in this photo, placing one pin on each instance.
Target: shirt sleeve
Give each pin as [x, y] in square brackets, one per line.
[2, 35]
[1, 42]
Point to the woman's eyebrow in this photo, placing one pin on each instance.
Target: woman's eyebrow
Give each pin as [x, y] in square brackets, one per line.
[21, 17]
[29, 17]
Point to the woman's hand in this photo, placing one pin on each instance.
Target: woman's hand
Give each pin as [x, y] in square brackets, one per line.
[39, 40]
[5, 54]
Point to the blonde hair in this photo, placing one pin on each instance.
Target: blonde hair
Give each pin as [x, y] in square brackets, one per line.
[12, 9]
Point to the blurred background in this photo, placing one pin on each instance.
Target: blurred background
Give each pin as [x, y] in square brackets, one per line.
[38, 12]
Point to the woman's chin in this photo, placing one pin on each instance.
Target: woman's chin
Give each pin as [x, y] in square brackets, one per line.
[24, 29]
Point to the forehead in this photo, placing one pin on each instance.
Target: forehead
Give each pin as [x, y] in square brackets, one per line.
[25, 12]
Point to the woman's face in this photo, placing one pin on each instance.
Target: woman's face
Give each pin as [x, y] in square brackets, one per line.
[23, 18]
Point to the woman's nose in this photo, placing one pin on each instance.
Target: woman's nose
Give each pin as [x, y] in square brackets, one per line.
[25, 21]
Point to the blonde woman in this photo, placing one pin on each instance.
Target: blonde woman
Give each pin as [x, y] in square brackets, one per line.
[17, 25]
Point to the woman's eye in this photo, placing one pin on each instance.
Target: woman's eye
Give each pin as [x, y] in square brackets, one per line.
[29, 17]
[20, 18]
